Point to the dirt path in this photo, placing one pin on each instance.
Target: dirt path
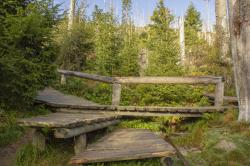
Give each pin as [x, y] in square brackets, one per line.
[8, 153]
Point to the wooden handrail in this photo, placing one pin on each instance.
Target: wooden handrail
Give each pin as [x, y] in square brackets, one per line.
[87, 76]
[117, 81]
[144, 80]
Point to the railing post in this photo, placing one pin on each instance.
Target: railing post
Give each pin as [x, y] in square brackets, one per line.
[219, 94]
[63, 79]
[116, 96]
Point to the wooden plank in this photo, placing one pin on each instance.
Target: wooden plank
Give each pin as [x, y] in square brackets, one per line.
[145, 80]
[229, 99]
[132, 114]
[64, 120]
[219, 94]
[38, 140]
[80, 143]
[156, 109]
[168, 80]
[68, 133]
[87, 76]
[55, 98]
[128, 148]
[116, 95]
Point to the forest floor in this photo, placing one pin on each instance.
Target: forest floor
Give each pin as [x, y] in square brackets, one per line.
[211, 140]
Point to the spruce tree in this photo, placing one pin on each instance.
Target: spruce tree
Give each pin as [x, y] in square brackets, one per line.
[193, 43]
[192, 19]
[163, 43]
[107, 42]
[27, 52]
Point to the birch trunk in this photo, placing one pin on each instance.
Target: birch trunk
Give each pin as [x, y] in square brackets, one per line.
[240, 42]
[182, 40]
[71, 13]
[222, 28]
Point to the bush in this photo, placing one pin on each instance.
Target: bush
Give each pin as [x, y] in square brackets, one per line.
[27, 53]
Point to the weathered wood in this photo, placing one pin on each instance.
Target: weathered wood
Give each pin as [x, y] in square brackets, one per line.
[240, 43]
[134, 114]
[116, 95]
[80, 143]
[63, 79]
[128, 148]
[68, 133]
[55, 98]
[155, 109]
[65, 120]
[219, 94]
[227, 99]
[167, 161]
[38, 139]
[87, 76]
[168, 80]
[144, 80]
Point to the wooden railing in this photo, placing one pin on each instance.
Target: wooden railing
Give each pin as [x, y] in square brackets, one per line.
[118, 81]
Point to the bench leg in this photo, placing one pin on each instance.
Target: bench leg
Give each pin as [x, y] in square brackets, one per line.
[38, 140]
[167, 161]
[80, 143]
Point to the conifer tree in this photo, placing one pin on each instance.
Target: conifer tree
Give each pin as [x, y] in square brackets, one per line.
[163, 43]
[129, 51]
[107, 42]
[193, 42]
[126, 9]
[27, 51]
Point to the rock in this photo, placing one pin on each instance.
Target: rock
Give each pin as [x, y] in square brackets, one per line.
[226, 145]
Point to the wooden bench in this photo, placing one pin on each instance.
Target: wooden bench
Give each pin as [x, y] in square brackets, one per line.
[67, 125]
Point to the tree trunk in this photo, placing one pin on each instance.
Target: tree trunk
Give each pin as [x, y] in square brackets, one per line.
[240, 43]
[222, 28]
[71, 13]
[182, 40]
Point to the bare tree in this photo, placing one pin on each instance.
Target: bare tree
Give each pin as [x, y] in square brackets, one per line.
[222, 28]
[182, 40]
[71, 13]
[240, 42]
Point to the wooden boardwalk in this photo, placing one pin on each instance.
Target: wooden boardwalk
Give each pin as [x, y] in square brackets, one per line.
[69, 103]
[55, 98]
[66, 120]
[125, 144]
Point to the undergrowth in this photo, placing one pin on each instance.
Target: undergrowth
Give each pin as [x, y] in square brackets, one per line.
[138, 95]
[9, 130]
[52, 156]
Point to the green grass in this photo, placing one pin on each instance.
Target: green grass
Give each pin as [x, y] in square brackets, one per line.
[52, 156]
[9, 130]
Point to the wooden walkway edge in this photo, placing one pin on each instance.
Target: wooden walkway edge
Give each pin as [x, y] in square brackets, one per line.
[125, 144]
[56, 99]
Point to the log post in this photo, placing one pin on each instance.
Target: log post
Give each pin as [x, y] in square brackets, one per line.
[63, 79]
[80, 143]
[219, 94]
[116, 96]
[239, 13]
[167, 161]
[38, 140]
